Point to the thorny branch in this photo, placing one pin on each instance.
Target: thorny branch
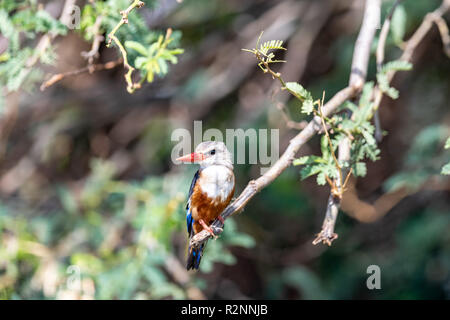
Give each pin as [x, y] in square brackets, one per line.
[314, 126]
[131, 86]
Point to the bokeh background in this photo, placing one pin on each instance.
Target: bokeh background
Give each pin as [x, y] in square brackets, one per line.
[88, 190]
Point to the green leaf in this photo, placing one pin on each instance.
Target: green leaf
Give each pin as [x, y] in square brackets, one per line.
[271, 45]
[383, 82]
[298, 90]
[308, 106]
[137, 47]
[308, 160]
[447, 144]
[308, 171]
[446, 169]
[140, 62]
[303, 95]
[360, 169]
[398, 24]
[321, 180]
[397, 65]
[366, 94]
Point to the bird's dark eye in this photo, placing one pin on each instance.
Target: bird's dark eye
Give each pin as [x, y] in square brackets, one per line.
[213, 152]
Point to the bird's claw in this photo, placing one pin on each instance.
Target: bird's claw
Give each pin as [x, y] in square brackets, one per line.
[325, 238]
[207, 228]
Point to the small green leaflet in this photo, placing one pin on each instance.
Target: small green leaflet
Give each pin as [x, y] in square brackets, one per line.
[302, 94]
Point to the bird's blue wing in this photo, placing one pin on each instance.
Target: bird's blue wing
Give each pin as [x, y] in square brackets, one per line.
[189, 218]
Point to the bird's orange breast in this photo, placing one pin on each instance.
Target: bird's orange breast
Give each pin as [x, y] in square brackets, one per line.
[203, 207]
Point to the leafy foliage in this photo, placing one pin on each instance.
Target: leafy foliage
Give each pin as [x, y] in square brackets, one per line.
[154, 60]
[398, 24]
[18, 65]
[24, 17]
[303, 95]
[382, 76]
[120, 239]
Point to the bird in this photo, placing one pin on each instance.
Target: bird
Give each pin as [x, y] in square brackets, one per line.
[211, 191]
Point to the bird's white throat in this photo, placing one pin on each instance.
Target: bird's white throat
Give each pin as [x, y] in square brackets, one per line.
[217, 182]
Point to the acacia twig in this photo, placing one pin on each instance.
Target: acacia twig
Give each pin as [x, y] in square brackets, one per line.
[131, 86]
[90, 68]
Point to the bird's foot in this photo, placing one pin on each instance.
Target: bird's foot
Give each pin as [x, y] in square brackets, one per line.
[221, 219]
[207, 228]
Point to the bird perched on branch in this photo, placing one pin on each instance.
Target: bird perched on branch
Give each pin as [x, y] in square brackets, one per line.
[211, 191]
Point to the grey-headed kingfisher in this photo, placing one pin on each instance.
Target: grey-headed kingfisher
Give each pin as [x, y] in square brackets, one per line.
[211, 191]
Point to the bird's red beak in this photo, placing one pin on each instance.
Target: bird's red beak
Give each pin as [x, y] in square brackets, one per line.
[193, 157]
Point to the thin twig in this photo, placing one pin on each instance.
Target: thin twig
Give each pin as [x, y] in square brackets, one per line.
[131, 87]
[90, 68]
[98, 38]
[380, 61]
[443, 30]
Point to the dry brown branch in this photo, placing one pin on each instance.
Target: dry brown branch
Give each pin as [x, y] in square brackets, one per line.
[90, 68]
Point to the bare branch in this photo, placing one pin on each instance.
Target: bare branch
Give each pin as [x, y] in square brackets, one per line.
[361, 54]
[90, 68]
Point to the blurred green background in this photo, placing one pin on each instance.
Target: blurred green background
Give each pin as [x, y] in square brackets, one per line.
[92, 206]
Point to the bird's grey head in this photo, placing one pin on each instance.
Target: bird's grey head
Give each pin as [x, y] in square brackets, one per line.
[214, 153]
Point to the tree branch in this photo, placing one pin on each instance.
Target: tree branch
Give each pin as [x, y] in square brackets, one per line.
[356, 83]
[360, 63]
[131, 86]
[89, 68]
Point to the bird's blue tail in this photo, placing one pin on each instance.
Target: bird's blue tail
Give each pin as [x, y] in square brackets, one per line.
[194, 257]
